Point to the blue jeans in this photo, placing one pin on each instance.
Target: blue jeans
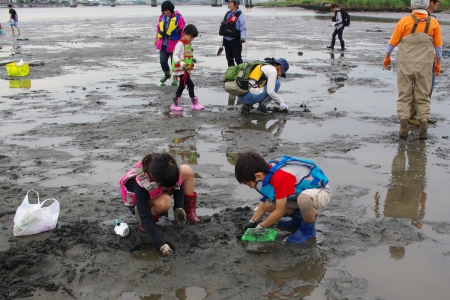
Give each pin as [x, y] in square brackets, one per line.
[164, 57]
[338, 32]
[251, 99]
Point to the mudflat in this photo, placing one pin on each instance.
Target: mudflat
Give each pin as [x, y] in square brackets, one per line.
[95, 106]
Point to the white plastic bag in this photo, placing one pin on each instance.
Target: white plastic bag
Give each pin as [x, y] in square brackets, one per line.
[20, 63]
[35, 218]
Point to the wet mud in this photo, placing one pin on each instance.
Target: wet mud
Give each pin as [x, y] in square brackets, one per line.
[95, 106]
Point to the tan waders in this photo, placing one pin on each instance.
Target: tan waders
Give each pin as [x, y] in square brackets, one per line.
[415, 59]
[403, 132]
[423, 130]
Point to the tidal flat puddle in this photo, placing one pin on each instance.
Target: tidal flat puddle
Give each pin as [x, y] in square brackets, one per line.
[187, 293]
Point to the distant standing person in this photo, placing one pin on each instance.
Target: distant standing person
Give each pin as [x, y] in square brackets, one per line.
[13, 19]
[338, 24]
[234, 32]
[168, 31]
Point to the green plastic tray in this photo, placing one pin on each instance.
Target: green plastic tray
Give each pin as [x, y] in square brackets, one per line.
[259, 235]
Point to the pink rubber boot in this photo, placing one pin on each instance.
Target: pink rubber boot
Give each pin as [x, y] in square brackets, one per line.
[195, 105]
[176, 104]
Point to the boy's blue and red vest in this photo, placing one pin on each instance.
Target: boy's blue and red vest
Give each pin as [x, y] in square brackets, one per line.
[316, 178]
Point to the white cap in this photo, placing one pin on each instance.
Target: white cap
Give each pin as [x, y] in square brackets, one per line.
[420, 4]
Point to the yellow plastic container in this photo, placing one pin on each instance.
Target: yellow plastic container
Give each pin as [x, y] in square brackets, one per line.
[20, 84]
[17, 71]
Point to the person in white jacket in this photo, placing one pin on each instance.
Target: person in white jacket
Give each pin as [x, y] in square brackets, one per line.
[263, 95]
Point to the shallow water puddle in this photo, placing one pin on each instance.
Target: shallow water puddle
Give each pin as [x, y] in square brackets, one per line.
[40, 142]
[133, 296]
[68, 86]
[208, 155]
[329, 128]
[148, 254]
[106, 172]
[191, 293]
[188, 293]
[411, 187]
[393, 269]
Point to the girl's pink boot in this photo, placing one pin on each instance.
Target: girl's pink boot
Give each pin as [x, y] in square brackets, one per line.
[195, 105]
[176, 104]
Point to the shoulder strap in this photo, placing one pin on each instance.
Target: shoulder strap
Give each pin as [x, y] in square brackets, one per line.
[416, 21]
[144, 180]
[428, 25]
[226, 16]
[237, 14]
[277, 165]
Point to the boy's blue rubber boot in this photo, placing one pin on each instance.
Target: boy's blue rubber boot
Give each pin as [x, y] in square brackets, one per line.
[304, 233]
[294, 220]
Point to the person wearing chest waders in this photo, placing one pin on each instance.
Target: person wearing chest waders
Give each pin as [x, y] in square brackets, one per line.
[413, 116]
[147, 189]
[419, 36]
[168, 31]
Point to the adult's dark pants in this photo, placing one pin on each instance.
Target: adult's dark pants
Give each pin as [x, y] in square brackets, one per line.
[185, 80]
[164, 57]
[233, 51]
[338, 32]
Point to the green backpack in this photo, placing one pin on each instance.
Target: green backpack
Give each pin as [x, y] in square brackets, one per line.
[236, 78]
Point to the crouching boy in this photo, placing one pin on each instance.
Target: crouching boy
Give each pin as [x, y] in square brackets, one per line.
[292, 187]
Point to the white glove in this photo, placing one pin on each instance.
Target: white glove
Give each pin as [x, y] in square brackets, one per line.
[165, 250]
[333, 24]
[179, 216]
[182, 64]
[284, 107]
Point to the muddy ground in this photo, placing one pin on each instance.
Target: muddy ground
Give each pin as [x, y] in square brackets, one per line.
[96, 106]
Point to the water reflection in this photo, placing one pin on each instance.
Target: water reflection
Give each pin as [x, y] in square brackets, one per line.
[405, 197]
[333, 57]
[191, 293]
[397, 252]
[20, 84]
[311, 272]
[188, 156]
[232, 157]
[275, 127]
[233, 100]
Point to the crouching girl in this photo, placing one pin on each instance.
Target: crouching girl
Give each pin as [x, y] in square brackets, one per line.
[147, 188]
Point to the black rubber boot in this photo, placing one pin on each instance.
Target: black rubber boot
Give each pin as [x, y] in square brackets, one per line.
[262, 108]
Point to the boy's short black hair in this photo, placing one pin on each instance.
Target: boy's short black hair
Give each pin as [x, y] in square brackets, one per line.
[167, 5]
[248, 164]
[191, 30]
[9, 5]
